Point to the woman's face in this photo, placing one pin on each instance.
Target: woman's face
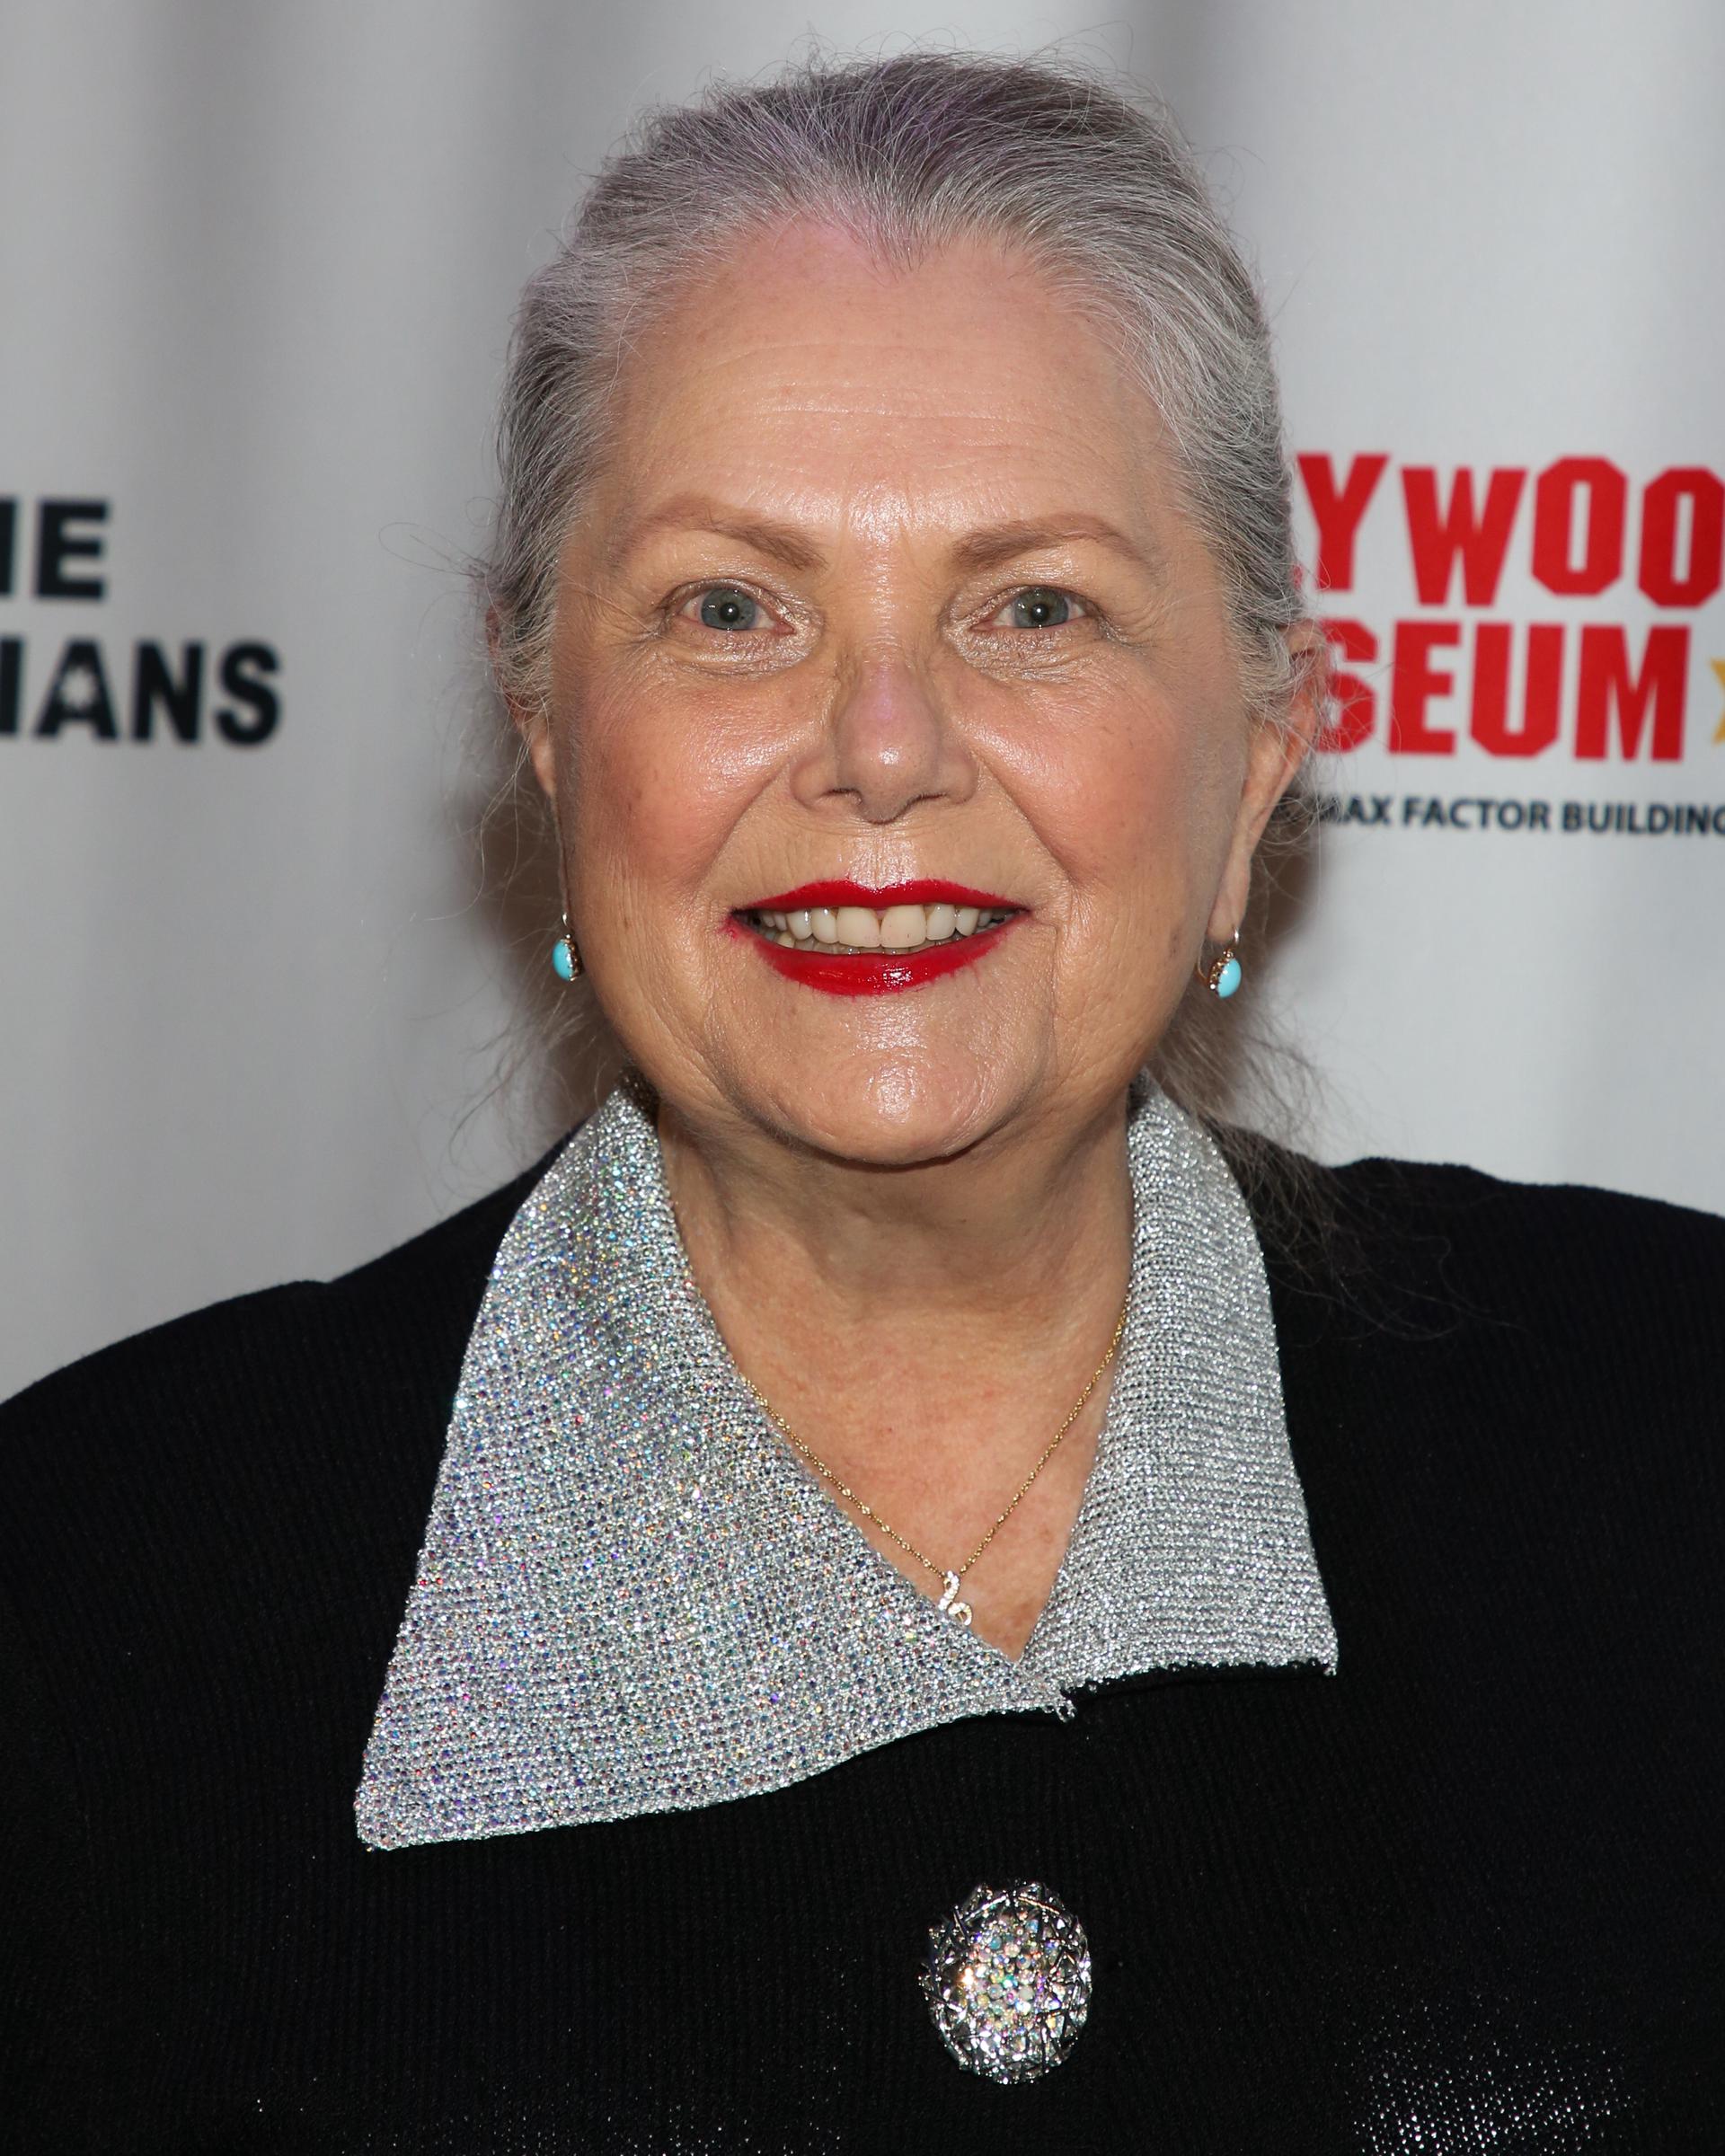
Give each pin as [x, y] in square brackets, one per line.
[883, 622]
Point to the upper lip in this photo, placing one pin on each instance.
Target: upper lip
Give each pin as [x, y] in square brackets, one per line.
[919, 890]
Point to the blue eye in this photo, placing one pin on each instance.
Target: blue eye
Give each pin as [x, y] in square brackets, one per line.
[1041, 607]
[726, 607]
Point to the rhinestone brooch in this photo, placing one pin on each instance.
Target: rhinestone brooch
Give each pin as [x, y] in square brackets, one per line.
[1007, 1980]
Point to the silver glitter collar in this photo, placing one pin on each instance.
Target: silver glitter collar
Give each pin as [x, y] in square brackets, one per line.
[633, 1598]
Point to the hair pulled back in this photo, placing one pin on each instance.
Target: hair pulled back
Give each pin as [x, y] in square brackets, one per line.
[1092, 185]
[910, 154]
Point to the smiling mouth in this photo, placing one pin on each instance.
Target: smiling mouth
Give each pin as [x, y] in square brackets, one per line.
[851, 941]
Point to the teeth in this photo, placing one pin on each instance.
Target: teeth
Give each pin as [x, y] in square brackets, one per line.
[858, 928]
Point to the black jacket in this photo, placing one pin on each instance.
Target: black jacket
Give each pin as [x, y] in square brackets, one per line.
[1463, 1894]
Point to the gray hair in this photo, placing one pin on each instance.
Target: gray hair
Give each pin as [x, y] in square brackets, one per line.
[911, 153]
[1093, 186]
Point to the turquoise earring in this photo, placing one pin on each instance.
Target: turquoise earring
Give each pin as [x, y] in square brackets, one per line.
[565, 959]
[1225, 974]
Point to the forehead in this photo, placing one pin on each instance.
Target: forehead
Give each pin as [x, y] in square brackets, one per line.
[806, 374]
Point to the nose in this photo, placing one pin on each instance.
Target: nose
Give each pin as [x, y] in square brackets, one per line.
[887, 744]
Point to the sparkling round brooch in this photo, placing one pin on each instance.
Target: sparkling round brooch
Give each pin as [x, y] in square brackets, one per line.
[1007, 1980]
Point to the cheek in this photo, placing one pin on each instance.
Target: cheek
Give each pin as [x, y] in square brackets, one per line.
[653, 804]
[1136, 804]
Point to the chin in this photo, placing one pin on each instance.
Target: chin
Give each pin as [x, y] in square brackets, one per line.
[894, 1111]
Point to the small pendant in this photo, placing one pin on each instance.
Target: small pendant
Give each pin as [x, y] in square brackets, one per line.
[958, 1612]
[1007, 1979]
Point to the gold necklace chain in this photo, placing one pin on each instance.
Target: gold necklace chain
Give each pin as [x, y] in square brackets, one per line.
[949, 1602]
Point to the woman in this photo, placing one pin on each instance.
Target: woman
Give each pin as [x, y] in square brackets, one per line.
[845, 1476]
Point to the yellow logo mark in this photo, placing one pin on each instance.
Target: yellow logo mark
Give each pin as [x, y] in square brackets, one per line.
[1718, 665]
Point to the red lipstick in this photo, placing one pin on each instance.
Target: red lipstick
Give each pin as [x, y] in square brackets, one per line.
[922, 890]
[875, 972]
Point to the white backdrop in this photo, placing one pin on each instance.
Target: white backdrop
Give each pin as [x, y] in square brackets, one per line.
[255, 278]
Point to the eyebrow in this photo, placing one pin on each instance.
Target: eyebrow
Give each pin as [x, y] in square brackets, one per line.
[1000, 542]
[766, 535]
[985, 549]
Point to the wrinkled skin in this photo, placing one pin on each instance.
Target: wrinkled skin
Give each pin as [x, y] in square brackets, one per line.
[880, 462]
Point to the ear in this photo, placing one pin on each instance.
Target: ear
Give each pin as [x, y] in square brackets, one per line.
[528, 715]
[1279, 747]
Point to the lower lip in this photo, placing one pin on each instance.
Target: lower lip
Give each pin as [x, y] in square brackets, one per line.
[876, 972]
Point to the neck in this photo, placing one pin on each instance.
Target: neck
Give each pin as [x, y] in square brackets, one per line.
[999, 1228]
[925, 1331]
[867, 1298]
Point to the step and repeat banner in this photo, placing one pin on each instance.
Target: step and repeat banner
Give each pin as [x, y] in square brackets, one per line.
[264, 1009]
